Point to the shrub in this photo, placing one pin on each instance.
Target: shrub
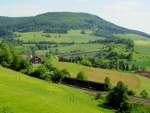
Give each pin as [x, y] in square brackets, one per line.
[66, 72]
[130, 92]
[57, 76]
[125, 107]
[108, 83]
[144, 94]
[86, 62]
[117, 98]
[41, 72]
[82, 76]
[98, 96]
[83, 32]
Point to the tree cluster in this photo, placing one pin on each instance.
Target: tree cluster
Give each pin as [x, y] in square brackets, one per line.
[10, 59]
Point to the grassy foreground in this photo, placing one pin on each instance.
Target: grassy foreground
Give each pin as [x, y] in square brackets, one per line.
[23, 94]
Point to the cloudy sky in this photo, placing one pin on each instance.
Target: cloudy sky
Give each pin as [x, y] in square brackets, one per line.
[133, 14]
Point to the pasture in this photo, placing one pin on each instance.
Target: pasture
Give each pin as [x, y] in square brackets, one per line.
[72, 36]
[24, 94]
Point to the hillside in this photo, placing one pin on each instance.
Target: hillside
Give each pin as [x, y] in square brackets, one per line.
[23, 94]
[61, 22]
[134, 82]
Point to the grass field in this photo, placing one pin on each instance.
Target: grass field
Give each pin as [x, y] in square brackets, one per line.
[77, 48]
[142, 49]
[134, 82]
[71, 36]
[23, 94]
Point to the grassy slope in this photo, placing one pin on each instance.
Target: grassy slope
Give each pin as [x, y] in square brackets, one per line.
[23, 94]
[142, 49]
[71, 36]
[133, 81]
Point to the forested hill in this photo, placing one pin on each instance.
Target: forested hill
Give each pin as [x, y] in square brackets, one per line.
[61, 22]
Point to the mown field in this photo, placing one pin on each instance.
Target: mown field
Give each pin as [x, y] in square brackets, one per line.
[23, 94]
[134, 82]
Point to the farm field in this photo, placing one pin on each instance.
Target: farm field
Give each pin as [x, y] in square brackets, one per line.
[24, 94]
[134, 82]
[72, 36]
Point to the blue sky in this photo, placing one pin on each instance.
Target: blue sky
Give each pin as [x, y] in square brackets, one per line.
[134, 14]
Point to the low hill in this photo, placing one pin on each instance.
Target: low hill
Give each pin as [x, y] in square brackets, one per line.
[61, 22]
[23, 94]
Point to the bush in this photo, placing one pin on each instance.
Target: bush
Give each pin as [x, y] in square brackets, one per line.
[144, 94]
[130, 92]
[108, 83]
[86, 62]
[125, 107]
[41, 72]
[83, 32]
[98, 96]
[57, 76]
[10, 59]
[66, 72]
[117, 98]
[82, 76]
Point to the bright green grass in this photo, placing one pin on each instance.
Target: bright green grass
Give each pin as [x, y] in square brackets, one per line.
[142, 46]
[23, 94]
[134, 82]
[142, 49]
[71, 36]
[77, 48]
[144, 85]
[142, 60]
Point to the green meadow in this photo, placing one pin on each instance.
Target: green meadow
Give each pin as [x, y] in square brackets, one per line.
[72, 36]
[23, 94]
[142, 49]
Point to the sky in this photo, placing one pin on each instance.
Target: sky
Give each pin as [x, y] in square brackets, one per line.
[133, 14]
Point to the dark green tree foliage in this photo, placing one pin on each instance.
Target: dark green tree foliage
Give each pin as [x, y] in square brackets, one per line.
[42, 72]
[82, 76]
[5, 33]
[9, 58]
[85, 62]
[83, 32]
[117, 98]
[20, 63]
[144, 94]
[58, 75]
[131, 92]
[6, 56]
[50, 73]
